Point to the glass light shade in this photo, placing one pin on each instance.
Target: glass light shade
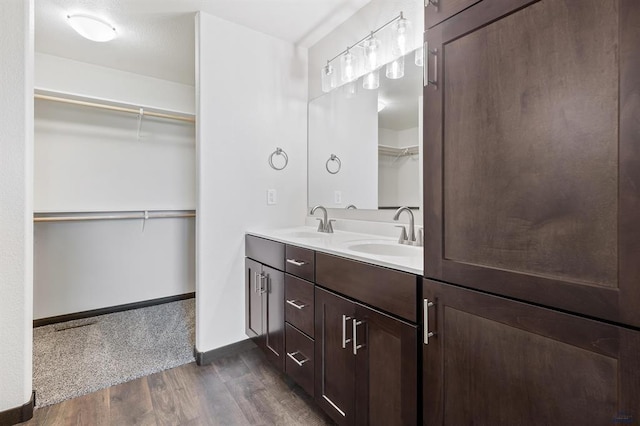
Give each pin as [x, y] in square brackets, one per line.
[419, 58]
[328, 78]
[371, 81]
[350, 89]
[395, 69]
[371, 53]
[348, 67]
[402, 37]
[92, 28]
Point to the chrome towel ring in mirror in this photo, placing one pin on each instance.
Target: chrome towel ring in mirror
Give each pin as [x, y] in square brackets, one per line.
[278, 151]
[336, 169]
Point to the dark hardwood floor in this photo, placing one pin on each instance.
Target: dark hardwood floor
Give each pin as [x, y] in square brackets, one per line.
[243, 389]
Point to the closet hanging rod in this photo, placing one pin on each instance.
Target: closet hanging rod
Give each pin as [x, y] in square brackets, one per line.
[78, 217]
[114, 108]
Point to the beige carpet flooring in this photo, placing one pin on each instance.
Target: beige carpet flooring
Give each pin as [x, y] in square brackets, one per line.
[81, 356]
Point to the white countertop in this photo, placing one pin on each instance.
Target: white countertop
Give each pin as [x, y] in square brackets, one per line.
[339, 242]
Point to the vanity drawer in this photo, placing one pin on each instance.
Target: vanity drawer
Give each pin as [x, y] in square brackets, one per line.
[392, 291]
[300, 262]
[298, 307]
[299, 362]
[265, 251]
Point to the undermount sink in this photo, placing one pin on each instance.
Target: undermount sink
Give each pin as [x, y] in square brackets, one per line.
[386, 249]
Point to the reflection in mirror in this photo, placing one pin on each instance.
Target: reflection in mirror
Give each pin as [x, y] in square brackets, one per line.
[377, 134]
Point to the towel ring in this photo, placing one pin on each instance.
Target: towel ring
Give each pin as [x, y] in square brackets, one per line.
[337, 160]
[278, 151]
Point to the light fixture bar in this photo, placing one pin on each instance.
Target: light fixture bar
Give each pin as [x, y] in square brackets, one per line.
[383, 26]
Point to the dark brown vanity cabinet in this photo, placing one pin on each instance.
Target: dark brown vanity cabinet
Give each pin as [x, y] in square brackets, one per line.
[366, 361]
[495, 361]
[264, 297]
[352, 344]
[532, 153]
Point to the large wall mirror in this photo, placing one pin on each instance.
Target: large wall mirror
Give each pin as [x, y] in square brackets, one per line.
[365, 147]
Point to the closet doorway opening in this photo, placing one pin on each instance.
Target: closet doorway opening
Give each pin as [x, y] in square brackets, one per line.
[114, 197]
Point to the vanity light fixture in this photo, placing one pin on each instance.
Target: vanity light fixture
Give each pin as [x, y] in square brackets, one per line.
[402, 36]
[350, 67]
[329, 79]
[395, 69]
[92, 28]
[371, 49]
[371, 81]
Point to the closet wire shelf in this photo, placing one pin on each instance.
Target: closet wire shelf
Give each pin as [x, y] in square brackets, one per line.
[85, 216]
[108, 105]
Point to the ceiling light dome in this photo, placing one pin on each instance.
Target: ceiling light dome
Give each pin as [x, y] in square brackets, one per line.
[92, 28]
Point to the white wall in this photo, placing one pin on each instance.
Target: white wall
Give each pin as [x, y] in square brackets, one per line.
[91, 160]
[347, 127]
[82, 266]
[252, 98]
[16, 210]
[74, 77]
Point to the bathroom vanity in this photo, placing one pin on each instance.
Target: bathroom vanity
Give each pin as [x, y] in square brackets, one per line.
[340, 316]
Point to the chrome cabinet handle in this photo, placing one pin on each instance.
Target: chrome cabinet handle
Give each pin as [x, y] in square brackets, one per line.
[255, 286]
[296, 262]
[433, 3]
[427, 333]
[263, 278]
[425, 63]
[292, 355]
[356, 346]
[295, 305]
[434, 53]
[344, 331]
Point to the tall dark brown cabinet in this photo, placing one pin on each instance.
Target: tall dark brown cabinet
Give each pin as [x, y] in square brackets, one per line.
[532, 192]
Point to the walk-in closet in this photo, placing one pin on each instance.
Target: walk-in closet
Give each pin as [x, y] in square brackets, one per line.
[114, 204]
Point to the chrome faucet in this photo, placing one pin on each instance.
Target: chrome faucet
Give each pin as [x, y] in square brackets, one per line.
[411, 238]
[325, 223]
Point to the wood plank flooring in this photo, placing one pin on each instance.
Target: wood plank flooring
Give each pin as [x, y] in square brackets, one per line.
[242, 389]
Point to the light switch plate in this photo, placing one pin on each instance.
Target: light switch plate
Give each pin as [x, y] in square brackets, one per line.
[272, 197]
[337, 197]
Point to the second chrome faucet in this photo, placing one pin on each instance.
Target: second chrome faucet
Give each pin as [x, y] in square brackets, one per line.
[409, 239]
[325, 222]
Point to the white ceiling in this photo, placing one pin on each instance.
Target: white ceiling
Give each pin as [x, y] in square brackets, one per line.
[157, 37]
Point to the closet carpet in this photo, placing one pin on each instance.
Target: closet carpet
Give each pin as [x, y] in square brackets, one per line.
[78, 357]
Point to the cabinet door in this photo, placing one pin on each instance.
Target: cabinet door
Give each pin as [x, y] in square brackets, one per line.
[437, 11]
[386, 369]
[532, 153]
[494, 361]
[273, 315]
[335, 362]
[253, 299]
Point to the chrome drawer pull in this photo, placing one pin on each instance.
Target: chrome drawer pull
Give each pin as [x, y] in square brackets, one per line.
[344, 331]
[292, 355]
[295, 305]
[296, 262]
[427, 333]
[356, 346]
